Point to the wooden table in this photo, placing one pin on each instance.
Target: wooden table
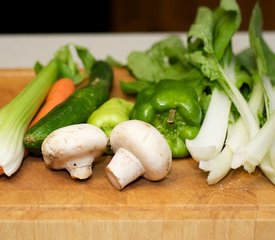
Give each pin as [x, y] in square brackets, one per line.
[39, 203]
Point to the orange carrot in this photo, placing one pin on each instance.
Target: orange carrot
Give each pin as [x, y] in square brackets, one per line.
[58, 93]
[1, 171]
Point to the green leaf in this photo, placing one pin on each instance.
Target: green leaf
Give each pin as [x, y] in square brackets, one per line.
[86, 57]
[200, 34]
[68, 68]
[212, 31]
[165, 59]
[227, 22]
[265, 58]
[38, 67]
[134, 87]
[171, 49]
[143, 67]
[207, 65]
[246, 59]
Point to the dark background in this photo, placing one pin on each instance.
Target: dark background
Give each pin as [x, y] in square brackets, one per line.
[116, 16]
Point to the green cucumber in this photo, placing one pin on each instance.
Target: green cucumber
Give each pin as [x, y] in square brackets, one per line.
[76, 109]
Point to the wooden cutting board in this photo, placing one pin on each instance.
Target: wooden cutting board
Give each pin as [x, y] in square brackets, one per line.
[39, 203]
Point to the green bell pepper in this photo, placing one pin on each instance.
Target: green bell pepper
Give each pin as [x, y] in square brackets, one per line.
[110, 113]
[173, 108]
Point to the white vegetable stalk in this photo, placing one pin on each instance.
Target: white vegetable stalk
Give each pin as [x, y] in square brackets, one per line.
[254, 152]
[241, 137]
[268, 163]
[270, 92]
[210, 139]
[272, 152]
[16, 115]
[219, 166]
[257, 148]
[241, 105]
[268, 168]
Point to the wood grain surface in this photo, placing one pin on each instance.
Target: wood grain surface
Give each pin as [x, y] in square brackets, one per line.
[39, 203]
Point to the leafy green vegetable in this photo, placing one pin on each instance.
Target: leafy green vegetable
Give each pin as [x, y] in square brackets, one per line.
[227, 22]
[87, 59]
[164, 60]
[261, 148]
[134, 87]
[223, 70]
[210, 50]
[200, 34]
[68, 68]
[212, 30]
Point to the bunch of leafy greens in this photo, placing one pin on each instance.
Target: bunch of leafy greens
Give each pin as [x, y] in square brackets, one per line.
[164, 60]
[210, 50]
[260, 150]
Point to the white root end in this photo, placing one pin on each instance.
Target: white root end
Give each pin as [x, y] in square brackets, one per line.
[201, 153]
[244, 159]
[218, 167]
[237, 161]
[254, 152]
[123, 169]
[250, 168]
[267, 167]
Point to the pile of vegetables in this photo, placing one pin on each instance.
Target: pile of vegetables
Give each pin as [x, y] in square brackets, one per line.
[76, 109]
[198, 99]
[235, 92]
[16, 116]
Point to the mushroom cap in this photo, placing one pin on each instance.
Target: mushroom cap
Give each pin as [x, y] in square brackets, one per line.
[147, 144]
[68, 145]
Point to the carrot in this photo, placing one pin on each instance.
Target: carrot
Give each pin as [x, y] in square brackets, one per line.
[58, 93]
[1, 171]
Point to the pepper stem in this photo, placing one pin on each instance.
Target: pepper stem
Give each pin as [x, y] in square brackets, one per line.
[171, 116]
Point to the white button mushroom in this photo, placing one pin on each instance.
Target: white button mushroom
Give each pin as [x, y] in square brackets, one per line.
[140, 150]
[74, 148]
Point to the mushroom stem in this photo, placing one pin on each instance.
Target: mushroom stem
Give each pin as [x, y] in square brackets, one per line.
[124, 168]
[80, 172]
[80, 168]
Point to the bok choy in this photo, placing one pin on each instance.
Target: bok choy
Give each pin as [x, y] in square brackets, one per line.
[260, 148]
[210, 50]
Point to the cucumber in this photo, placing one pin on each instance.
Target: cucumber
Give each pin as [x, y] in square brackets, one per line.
[76, 109]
